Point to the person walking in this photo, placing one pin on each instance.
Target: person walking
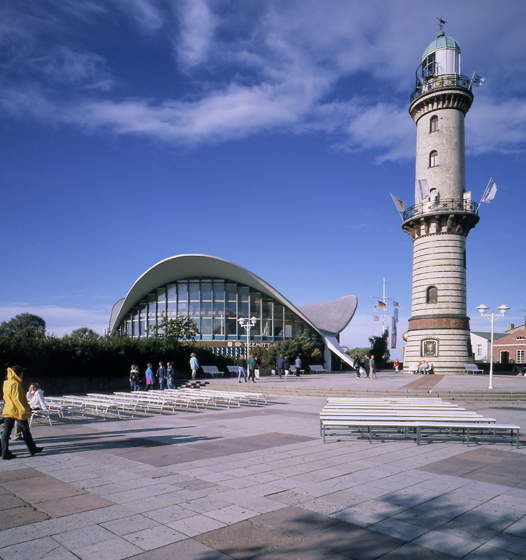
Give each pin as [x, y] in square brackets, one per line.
[242, 368]
[252, 365]
[280, 362]
[161, 374]
[297, 365]
[286, 366]
[357, 366]
[366, 365]
[396, 364]
[372, 368]
[16, 410]
[194, 365]
[170, 374]
[149, 378]
[258, 366]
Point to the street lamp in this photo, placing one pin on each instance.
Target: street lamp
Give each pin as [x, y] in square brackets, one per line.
[502, 309]
[247, 324]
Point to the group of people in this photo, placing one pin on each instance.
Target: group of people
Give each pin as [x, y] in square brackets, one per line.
[423, 368]
[18, 408]
[164, 377]
[369, 367]
[252, 364]
[283, 365]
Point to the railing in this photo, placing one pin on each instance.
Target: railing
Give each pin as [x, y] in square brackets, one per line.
[434, 207]
[430, 83]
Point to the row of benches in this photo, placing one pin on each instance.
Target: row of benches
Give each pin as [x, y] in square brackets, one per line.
[146, 402]
[213, 371]
[408, 417]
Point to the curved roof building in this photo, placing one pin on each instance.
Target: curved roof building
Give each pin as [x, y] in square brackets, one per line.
[216, 293]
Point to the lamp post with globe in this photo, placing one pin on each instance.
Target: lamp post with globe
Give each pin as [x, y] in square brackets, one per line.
[502, 309]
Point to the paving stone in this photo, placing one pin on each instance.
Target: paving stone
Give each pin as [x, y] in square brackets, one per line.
[486, 552]
[244, 540]
[232, 514]
[18, 474]
[116, 549]
[444, 542]
[74, 504]
[131, 524]
[399, 529]
[155, 537]
[63, 524]
[195, 525]
[411, 551]
[510, 543]
[85, 536]
[168, 514]
[18, 535]
[188, 549]
[109, 513]
[35, 550]
[19, 516]
[295, 521]
[353, 541]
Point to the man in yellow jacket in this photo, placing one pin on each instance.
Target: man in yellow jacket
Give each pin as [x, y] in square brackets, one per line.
[16, 409]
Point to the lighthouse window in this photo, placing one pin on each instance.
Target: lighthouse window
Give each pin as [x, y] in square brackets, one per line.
[433, 124]
[433, 159]
[431, 296]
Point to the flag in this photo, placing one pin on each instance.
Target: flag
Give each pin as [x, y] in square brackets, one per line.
[396, 314]
[490, 192]
[375, 313]
[477, 80]
[401, 206]
[423, 189]
[381, 304]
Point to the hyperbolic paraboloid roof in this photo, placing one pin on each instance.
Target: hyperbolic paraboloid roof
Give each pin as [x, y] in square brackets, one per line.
[328, 318]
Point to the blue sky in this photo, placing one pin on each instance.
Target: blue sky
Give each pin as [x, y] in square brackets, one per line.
[268, 133]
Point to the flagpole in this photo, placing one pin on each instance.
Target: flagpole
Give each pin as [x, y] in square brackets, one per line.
[383, 299]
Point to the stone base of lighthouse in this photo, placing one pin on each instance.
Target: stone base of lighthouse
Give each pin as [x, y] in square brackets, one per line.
[446, 349]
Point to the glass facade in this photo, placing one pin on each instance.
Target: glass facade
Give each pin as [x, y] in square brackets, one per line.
[216, 305]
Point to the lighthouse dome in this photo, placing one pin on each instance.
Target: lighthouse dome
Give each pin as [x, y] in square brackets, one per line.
[442, 56]
[441, 42]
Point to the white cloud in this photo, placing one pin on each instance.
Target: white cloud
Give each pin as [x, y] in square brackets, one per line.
[197, 29]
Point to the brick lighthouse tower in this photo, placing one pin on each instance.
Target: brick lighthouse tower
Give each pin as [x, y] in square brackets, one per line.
[443, 213]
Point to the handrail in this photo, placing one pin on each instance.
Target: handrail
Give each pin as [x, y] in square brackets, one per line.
[434, 207]
[425, 84]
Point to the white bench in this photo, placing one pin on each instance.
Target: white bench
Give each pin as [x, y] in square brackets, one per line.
[294, 370]
[41, 413]
[418, 426]
[212, 371]
[317, 369]
[472, 368]
[233, 370]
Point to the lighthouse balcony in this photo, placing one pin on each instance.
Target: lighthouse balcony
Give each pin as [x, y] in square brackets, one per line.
[440, 207]
[443, 216]
[427, 84]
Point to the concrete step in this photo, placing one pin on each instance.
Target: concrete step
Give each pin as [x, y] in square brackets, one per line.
[289, 390]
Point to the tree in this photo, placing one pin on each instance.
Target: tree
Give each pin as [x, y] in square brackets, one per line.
[22, 326]
[84, 334]
[380, 347]
[360, 352]
[291, 348]
[173, 330]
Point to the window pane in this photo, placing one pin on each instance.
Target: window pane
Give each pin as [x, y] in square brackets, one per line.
[231, 292]
[206, 291]
[219, 292]
[194, 291]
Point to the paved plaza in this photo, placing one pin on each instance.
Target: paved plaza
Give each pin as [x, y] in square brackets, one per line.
[258, 483]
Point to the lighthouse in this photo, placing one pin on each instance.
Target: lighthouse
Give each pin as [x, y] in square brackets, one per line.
[443, 213]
